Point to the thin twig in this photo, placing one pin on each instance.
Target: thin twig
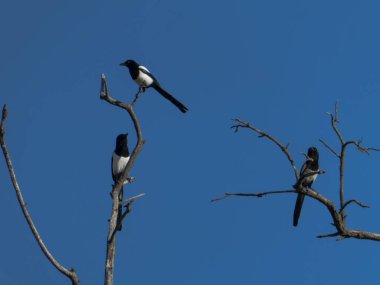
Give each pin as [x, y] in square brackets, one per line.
[258, 195]
[334, 121]
[71, 274]
[127, 204]
[329, 148]
[360, 148]
[283, 148]
[329, 235]
[132, 199]
[355, 202]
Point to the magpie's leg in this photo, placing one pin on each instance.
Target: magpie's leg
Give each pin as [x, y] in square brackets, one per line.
[141, 90]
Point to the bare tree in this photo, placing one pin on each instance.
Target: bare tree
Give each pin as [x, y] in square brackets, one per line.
[114, 222]
[337, 214]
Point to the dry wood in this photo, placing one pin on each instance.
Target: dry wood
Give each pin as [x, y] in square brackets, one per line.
[338, 215]
[113, 221]
[70, 273]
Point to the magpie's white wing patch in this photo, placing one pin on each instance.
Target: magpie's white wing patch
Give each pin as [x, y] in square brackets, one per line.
[143, 67]
[118, 164]
[144, 78]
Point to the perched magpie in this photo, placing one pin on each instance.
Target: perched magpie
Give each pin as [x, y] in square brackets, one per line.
[120, 158]
[310, 165]
[145, 79]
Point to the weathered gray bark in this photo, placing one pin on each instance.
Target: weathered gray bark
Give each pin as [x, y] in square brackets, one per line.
[71, 274]
[111, 237]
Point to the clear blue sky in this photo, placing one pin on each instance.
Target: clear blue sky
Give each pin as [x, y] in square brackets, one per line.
[278, 64]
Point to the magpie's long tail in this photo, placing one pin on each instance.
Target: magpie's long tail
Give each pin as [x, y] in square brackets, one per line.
[120, 208]
[179, 105]
[298, 208]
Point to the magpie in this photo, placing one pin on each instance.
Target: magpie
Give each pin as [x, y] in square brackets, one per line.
[120, 158]
[310, 165]
[145, 79]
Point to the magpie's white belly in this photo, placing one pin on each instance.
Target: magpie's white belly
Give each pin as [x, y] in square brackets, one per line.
[144, 80]
[118, 163]
[311, 178]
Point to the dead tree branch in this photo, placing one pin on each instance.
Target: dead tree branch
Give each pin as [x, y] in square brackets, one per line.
[343, 147]
[328, 235]
[329, 148]
[258, 195]
[283, 148]
[128, 208]
[113, 224]
[355, 202]
[338, 216]
[71, 274]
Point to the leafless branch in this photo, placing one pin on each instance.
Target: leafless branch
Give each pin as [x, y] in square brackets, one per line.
[111, 241]
[335, 121]
[329, 235]
[360, 148]
[71, 274]
[338, 223]
[127, 204]
[132, 199]
[338, 216]
[329, 148]
[283, 148]
[355, 202]
[258, 195]
[342, 156]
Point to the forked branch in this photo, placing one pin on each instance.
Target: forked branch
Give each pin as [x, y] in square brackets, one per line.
[114, 223]
[338, 216]
[128, 208]
[342, 155]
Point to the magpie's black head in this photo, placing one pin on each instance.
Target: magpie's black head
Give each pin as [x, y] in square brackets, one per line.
[129, 63]
[121, 142]
[313, 153]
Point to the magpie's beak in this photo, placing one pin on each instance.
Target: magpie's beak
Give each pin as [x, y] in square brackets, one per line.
[123, 64]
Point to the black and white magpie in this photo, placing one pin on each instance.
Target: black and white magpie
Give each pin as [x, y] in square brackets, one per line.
[120, 158]
[145, 79]
[310, 165]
